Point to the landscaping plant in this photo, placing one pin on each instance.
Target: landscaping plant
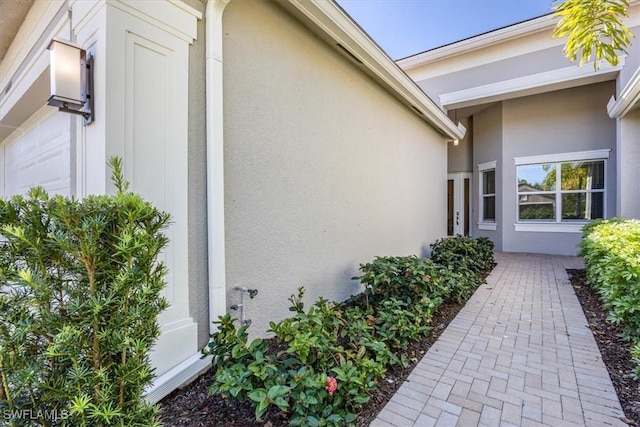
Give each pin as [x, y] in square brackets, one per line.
[79, 296]
[463, 253]
[611, 250]
[323, 362]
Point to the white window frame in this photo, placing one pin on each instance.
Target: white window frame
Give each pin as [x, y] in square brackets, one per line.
[482, 223]
[557, 226]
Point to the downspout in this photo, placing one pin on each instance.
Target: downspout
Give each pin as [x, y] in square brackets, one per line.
[215, 161]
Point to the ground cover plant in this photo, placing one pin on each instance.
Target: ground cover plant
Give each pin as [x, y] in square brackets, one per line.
[193, 405]
[611, 250]
[325, 362]
[79, 296]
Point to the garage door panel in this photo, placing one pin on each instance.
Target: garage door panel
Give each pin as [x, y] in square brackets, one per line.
[39, 155]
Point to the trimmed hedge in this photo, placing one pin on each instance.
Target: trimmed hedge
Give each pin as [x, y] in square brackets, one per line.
[463, 252]
[611, 250]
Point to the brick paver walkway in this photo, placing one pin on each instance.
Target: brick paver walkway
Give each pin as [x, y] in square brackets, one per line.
[519, 353]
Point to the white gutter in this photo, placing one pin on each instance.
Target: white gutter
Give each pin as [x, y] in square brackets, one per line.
[628, 99]
[215, 160]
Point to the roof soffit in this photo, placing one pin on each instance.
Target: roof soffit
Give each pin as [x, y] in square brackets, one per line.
[516, 40]
[522, 36]
[12, 14]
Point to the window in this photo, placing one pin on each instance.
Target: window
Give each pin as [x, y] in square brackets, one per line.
[487, 208]
[561, 191]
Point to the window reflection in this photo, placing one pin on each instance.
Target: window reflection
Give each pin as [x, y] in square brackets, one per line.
[579, 197]
[537, 177]
[583, 176]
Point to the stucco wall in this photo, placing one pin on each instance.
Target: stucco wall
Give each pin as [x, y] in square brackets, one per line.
[487, 147]
[494, 71]
[558, 122]
[323, 169]
[460, 157]
[632, 60]
[629, 158]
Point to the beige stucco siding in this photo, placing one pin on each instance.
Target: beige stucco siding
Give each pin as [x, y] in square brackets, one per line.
[323, 169]
[629, 159]
[493, 71]
[632, 59]
[460, 157]
[487, 147]
[565, 121]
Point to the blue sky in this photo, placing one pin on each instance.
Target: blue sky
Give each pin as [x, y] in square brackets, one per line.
[406, 27]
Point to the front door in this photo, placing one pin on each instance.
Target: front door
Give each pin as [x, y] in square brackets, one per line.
[458, 203]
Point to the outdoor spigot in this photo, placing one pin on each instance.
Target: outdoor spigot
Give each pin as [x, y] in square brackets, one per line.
[243, 290]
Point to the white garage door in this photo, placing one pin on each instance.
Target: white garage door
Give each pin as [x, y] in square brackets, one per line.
[38, 154]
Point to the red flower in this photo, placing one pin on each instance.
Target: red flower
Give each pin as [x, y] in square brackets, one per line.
[407, 275]
[331, 385]
[426, 278]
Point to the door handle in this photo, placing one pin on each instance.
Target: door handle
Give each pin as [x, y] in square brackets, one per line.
[457, 218]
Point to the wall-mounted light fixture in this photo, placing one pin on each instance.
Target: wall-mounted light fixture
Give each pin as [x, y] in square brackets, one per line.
[71, 72]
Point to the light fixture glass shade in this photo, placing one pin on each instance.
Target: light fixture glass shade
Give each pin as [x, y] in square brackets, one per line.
[68, 75]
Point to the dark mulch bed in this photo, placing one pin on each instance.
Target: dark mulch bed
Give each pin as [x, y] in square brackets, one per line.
[615, 352]
[193, 406]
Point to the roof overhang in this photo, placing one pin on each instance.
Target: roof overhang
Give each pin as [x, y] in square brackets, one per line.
[332, 24]
[628, 100]
[542, 24]
[534, 84]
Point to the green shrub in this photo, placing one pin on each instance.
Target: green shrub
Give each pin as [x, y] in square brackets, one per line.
[409, 278]
[611, 250]
[79, 296]
[333, 354]
[463, 253]
[402, 278]
[324, 349]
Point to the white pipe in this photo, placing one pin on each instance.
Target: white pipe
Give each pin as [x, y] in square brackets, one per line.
[215, 162]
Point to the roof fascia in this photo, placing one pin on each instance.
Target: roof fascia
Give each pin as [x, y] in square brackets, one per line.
[528, 85]
[544, 23]
[329, 19]
[628, 99]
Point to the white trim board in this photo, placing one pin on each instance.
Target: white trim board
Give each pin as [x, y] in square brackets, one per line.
[563, 157]
[549, 228]
[486, 166]
[530, 85]
[544, 23]
[176, 376]
[628, 99]
[490, 226]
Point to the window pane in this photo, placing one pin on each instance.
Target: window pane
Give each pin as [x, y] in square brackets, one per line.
[582, 206]
[489, 208]
[489, 182]
[583, 175]
[536, 177]
[537, 206]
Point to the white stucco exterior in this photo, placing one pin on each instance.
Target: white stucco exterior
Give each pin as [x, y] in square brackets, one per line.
[310, 153]
[330, 172]
[522, 98]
